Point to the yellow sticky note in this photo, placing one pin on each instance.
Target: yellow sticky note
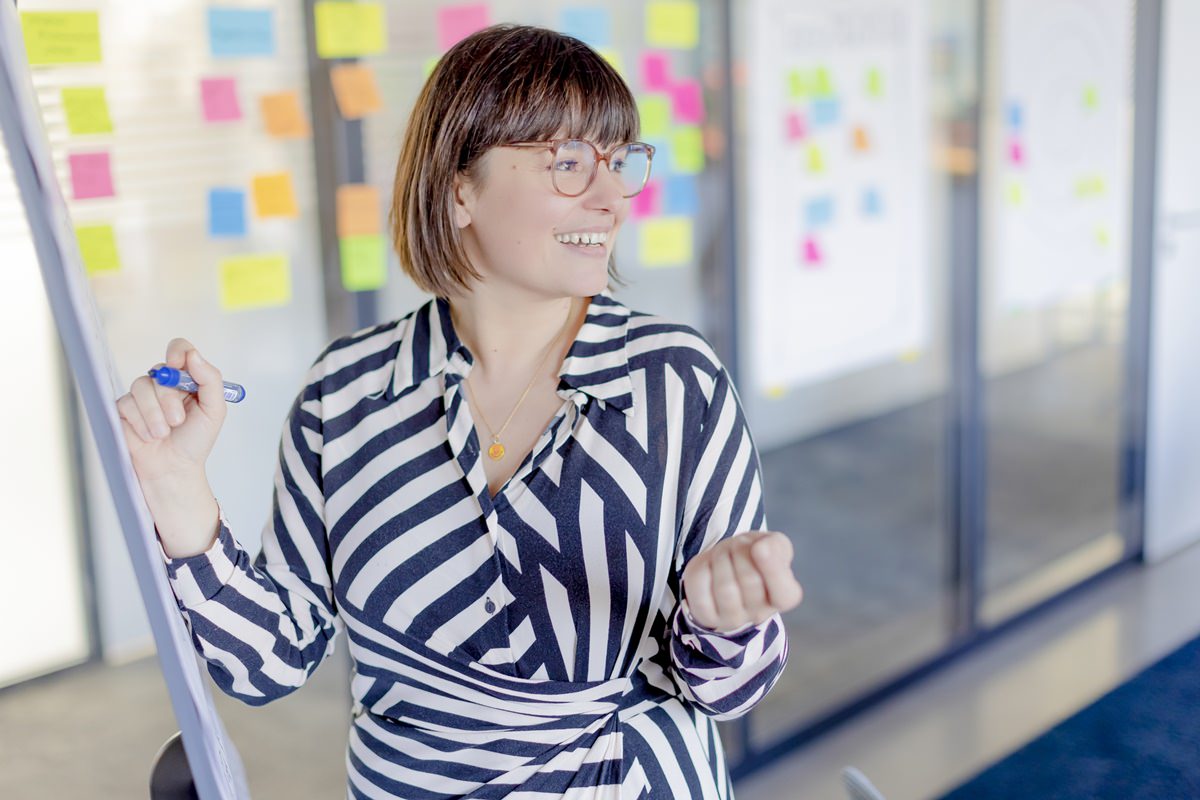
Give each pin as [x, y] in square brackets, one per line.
[349, 30]
[355, 90]
[1102, 236]
[911, 356]
[822, 83]
[98, 247]
[86, 110]
[282, 115]
[655, 112]
[273, 195]
[816, 160]
[797, 85]
[1091, 97]
[665, 242]
[357, 210]
[61, 37]
[1015, 193]
[430, 64]
[875, 82]
[613, 58]
[687, 150]
[364, 262]
[672, 23]
[1090, 186]
[257, 281]
[775, 392]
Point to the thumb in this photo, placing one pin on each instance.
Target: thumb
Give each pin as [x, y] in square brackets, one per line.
[211, 392]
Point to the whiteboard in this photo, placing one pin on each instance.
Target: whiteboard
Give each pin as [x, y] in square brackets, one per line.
[837, 167]
[216, 767]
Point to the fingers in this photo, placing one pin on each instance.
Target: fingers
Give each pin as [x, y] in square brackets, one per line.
[750, 581]
[772, 554]
[727, 594]
[697, 581]
[177, 350]
[148, 407]
[211, 394]
[131, 418]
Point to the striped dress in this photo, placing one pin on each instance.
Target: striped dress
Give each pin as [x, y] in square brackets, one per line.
[528, 645]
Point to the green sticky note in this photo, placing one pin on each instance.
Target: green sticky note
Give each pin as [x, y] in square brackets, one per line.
[798, 88]
[655, 111]
[98, 247]
[673, 23]
[1091, 97]
[61, 37]
[349, 30]
[364, 262]
[86, 110]
[613, 58]
[687, 150]
[874, 82]
[822, 82]
[255, 281]
[665, 242]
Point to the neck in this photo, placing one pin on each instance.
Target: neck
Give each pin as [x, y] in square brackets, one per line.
[510, 333]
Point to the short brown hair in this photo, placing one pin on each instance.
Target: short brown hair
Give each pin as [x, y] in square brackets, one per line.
[506, 83]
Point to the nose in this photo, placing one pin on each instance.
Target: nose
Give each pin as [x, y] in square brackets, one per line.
[607, 190]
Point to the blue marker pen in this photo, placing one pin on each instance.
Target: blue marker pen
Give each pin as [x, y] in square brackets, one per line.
[179, 379]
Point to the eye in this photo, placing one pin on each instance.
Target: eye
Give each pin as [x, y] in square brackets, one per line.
[617, 164]
[567, 165]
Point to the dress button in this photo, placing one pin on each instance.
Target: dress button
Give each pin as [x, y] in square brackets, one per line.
[489, 606]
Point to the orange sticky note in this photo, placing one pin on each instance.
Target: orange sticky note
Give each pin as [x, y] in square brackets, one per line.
[273, 195]
[355, 90]
[357, 210]
[283, 116]
[861, 140]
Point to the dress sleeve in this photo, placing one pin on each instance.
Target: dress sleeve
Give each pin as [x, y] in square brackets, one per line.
[724, 674]
[265, 626]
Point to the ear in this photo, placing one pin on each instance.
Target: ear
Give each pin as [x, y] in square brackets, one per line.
[464, 200]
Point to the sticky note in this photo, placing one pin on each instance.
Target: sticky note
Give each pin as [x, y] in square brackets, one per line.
[238, 32]
[775, 392]
[646, 202]
[1015, 193]
[672, 23]
[612, 57]
[1015, 115]
[1091, 97]
[273, 195]
[429, 65]
[98, 248]
[1016, 153]
[219, 100]
[1102, 236]
[872, 202]
[591, 24]
[822, 82]
[254, 281]
[874, 82]
[687, 150]
[91, 175]
[364, 262]
[1090, 186]
[798, 87]
[355, 90]
[656, 71]
[681, 196]
[862, 142]
[357, 210]
[665, 242]
[455, 23]
[655, 113]
[282, 115]
[86, 110]
[226, 212]
[61, 37]
[795, 127]
[911, 356]
[687, 101]
[816, 159]
[349, 30]
[824, 111]
[818, 212]
[811, 252]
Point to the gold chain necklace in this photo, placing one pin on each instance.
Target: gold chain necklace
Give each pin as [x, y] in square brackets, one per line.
[496, 451]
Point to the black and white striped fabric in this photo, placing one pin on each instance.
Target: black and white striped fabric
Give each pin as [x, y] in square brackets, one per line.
[530, 645]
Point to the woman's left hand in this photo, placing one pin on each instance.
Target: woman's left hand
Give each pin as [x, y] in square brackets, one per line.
[745, 578]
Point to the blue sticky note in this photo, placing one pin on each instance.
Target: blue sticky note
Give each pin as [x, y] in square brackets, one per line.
[1015, 116]
[234, 32]
[226, 212]
[819, 211]
[681, 196]
[662, 157]
[591, 24]
[872, 203]
[824, 111]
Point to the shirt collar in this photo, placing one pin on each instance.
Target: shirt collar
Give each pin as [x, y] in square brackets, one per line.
[597, 363]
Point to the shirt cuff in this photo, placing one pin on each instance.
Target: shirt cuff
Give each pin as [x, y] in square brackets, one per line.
[696, 627]
[197, 579]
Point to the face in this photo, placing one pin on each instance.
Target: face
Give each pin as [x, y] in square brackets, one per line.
[517, 229]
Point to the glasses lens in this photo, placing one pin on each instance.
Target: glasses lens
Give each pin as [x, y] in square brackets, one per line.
[574, 163]
[632, 164]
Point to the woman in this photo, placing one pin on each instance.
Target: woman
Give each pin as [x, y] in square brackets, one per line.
[535, 513]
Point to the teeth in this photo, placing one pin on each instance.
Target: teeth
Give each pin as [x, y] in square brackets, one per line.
[582, 238]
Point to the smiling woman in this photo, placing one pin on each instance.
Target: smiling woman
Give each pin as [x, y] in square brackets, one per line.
[567, 616]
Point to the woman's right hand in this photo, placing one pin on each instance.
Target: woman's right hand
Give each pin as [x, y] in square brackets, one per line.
[170, 434]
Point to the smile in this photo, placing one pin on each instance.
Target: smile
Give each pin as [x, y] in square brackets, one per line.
[595, 239]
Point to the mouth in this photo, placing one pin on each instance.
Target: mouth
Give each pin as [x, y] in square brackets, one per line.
[592, 243]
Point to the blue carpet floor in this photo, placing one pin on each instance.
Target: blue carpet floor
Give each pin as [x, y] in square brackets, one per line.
[1139, 742]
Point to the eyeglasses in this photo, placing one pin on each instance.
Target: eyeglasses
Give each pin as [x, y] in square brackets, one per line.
[575, 162]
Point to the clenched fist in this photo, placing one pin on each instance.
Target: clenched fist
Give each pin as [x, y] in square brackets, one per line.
[742, 579]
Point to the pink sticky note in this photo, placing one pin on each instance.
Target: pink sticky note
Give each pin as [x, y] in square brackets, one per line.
[1016, 153]
[219, 98]
[645, 202]
[91, 175]
[656, 72]
[797, 128]
[812, 252]
[687, 101]
[455, 23]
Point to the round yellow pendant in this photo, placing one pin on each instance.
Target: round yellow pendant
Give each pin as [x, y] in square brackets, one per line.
[496, 452]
